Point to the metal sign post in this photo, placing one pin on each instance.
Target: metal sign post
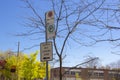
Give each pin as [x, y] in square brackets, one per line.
[46, 48]
[50, 31]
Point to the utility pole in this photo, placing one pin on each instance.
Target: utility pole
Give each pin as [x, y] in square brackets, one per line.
[18, 52]
[18, 49]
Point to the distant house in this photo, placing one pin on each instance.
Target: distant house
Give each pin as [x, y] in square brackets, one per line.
[70, 73]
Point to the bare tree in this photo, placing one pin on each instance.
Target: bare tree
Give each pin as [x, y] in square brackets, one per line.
[92, 64]
[116, 66]
[85, 22]
[109, 23]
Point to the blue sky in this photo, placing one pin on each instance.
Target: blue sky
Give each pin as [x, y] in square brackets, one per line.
[11, 17]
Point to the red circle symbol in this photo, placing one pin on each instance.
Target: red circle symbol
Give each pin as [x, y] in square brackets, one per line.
[50, 14]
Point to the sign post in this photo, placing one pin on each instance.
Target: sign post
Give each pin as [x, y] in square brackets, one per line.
[50, 31]
[46, 48]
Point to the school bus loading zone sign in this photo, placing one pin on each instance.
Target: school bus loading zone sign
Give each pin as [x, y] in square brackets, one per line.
[46, 51]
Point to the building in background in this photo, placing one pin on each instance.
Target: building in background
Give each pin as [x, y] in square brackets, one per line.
[85, 74]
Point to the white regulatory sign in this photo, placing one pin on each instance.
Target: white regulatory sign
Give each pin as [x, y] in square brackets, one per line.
[46, 51]
[50, 28]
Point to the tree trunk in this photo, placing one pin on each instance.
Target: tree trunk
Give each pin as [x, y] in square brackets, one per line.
[60, 72]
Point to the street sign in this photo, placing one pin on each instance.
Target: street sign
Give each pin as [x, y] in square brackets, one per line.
[46, 51]
[50, 16]
[50, 31]
[50, 28]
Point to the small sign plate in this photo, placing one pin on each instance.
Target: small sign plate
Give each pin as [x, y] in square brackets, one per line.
[46, 51]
